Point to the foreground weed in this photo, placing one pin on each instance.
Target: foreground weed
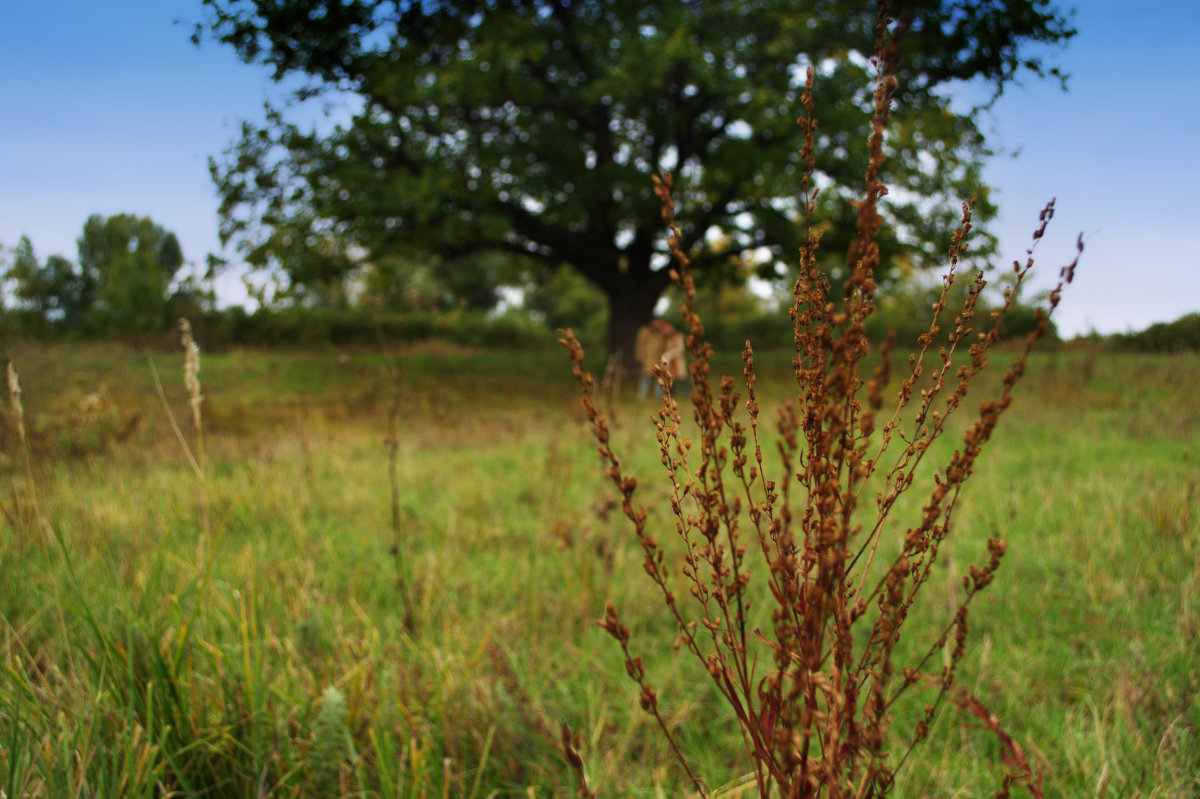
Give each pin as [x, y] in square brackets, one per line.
[392, 445]
[25, 514]
[814, 682]
[194, 453]
[330, 747]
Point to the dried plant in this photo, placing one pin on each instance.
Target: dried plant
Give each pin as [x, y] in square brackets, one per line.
[814, 690]
[391, 443]
[191, 379]
[14, 395]
[195, 455]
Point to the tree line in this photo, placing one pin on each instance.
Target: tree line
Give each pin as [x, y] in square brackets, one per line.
[122, 282]
[511, 143]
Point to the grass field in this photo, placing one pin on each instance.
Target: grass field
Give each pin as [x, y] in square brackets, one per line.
[244, 636]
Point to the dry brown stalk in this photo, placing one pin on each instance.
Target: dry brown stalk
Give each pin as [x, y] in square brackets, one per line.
[392, 445]
[814, 693]
[570, 745]
[14, 395]
[1019, 771]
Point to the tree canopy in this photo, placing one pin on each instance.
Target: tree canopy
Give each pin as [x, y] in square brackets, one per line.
[532, 127]
[119, 285]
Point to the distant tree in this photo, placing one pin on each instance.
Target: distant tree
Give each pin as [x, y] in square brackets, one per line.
[472, 281]
[429, 282]
[119, 285]
[1181, 335]
[55, 291]
[564, 298]
[132, 261]
[532, 127]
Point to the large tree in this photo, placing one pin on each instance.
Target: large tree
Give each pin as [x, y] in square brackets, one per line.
[532, 127]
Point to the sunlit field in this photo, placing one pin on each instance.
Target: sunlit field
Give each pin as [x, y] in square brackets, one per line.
[266, 622]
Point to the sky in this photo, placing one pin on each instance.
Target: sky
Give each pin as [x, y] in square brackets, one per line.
[109, 108]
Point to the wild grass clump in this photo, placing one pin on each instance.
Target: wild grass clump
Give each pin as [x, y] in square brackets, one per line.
[792, 579]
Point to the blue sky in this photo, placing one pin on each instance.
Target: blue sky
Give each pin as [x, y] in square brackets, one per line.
[108, 108]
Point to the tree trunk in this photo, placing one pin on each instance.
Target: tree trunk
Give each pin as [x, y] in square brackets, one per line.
[631, 304]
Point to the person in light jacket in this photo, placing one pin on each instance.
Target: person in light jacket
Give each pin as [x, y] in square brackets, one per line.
[659, 343]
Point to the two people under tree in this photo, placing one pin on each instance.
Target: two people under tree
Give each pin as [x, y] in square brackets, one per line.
[659, 343]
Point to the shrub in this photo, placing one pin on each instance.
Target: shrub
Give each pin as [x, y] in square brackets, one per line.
[302, 327]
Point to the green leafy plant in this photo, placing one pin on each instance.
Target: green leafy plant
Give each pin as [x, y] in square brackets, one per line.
[794, 582]
[329, 744]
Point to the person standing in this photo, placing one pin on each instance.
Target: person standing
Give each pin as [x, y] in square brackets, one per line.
[660, 344]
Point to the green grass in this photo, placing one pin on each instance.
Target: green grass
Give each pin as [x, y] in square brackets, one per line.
[127, 671]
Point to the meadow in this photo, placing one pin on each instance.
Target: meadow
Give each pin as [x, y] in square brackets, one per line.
[253, 633]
